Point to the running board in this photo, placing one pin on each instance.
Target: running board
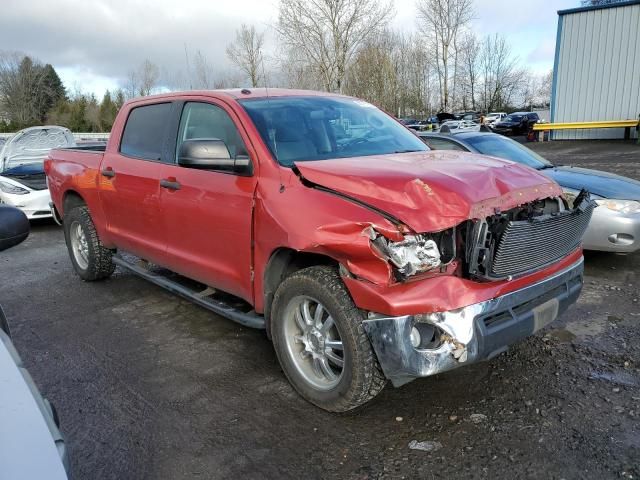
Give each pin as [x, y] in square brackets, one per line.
[250, 319]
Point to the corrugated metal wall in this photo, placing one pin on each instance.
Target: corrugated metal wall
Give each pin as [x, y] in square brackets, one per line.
[598, 70]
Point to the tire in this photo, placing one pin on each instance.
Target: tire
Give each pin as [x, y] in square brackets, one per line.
[90, 258]
[308, 360]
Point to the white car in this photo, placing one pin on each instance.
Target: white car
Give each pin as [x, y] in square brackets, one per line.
[22, 180]
[456, 126]
[494, 117]
[31, 445]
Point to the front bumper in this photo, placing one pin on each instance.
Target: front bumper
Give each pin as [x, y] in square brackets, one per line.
[611, 231]
[477, 332]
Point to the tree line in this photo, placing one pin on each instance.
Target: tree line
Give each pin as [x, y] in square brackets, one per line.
[345, 46]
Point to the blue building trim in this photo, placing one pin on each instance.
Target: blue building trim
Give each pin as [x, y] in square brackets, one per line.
[598, 7]
[554, 80]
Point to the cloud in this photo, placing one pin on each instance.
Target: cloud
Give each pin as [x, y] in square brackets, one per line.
[111, 37]
[543, 52]
[96, 43]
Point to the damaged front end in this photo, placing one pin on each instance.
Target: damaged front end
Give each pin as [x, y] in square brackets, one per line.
[501, 247]
[457, 275]
[413, 346]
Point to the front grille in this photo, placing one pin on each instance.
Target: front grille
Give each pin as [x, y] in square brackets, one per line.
[526, 245]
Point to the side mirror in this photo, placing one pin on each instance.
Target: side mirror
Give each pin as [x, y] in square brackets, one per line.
[211, 154]
[14, 226]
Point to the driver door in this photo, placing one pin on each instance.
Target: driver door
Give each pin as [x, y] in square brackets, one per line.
[208, 217]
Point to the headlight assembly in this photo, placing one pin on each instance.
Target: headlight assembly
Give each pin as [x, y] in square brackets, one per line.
[620, 206]
[418, 253]
[414, 254]
[13, 189]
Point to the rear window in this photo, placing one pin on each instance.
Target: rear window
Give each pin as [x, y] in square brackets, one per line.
[441, 144]
[145, 131]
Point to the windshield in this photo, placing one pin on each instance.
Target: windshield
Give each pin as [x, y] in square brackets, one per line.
[513, 118]
[320, 128]
[501, 147]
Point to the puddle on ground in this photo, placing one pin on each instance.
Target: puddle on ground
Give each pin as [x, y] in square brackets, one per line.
[562, 335]
[587, 327]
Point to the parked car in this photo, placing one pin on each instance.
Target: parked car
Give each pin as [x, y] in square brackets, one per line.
[31, 445]
[433, 119]
[455, 126]
[470, 116]
[615, 225]
[518, 123]
[22, 180]
[493, 118]
[321, 219]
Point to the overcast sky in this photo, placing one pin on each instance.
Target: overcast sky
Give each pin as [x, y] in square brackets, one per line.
[94, 43]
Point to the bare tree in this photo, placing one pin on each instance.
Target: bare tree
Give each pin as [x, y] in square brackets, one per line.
[327, 33]
[246, 52]
[374, 73]
[131, 87]
[544, 88]
[203, 76]
[394, 72]
[501, 75]
[469, 75]
[148, 75]
[442, 21]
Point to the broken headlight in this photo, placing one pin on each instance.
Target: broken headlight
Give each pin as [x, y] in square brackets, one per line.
[414, 254]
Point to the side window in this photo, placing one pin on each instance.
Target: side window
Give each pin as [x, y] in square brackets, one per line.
[145, 131]
[203, 120]
[441, 144]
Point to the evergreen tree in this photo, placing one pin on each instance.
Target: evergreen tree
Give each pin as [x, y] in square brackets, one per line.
[120, 99]
[51, 89]
[78, 113]
[108, 111]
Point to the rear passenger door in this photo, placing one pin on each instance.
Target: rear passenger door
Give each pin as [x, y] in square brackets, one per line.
[130, 182]
[208, 215]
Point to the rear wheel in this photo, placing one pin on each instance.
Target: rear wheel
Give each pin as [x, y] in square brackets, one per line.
[90, 258]
[318, 336]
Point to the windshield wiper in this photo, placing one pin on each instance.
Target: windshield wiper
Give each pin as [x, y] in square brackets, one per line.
[545, 167]
[408, 151]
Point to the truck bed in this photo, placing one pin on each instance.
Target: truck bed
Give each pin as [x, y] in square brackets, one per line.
[93, 147]
[74, 169]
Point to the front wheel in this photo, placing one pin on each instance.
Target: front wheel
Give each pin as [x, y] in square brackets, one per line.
[90, 258]
[321, 344]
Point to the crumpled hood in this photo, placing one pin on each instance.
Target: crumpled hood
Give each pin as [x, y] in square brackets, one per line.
[431, 191]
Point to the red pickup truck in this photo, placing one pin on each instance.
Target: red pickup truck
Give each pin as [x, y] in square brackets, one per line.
[318, 217]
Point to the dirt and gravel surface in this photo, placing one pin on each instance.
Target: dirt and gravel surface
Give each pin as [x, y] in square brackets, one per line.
[151, 387]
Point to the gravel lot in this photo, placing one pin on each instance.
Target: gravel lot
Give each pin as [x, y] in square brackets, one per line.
[151, 387]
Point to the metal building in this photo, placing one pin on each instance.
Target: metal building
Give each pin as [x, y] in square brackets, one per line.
[596, 75]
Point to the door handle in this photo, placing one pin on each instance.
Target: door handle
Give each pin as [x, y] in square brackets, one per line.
[108, 172]
[170, 183]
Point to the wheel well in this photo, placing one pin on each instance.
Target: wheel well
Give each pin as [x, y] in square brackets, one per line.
[284, 262]
[71, 200]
